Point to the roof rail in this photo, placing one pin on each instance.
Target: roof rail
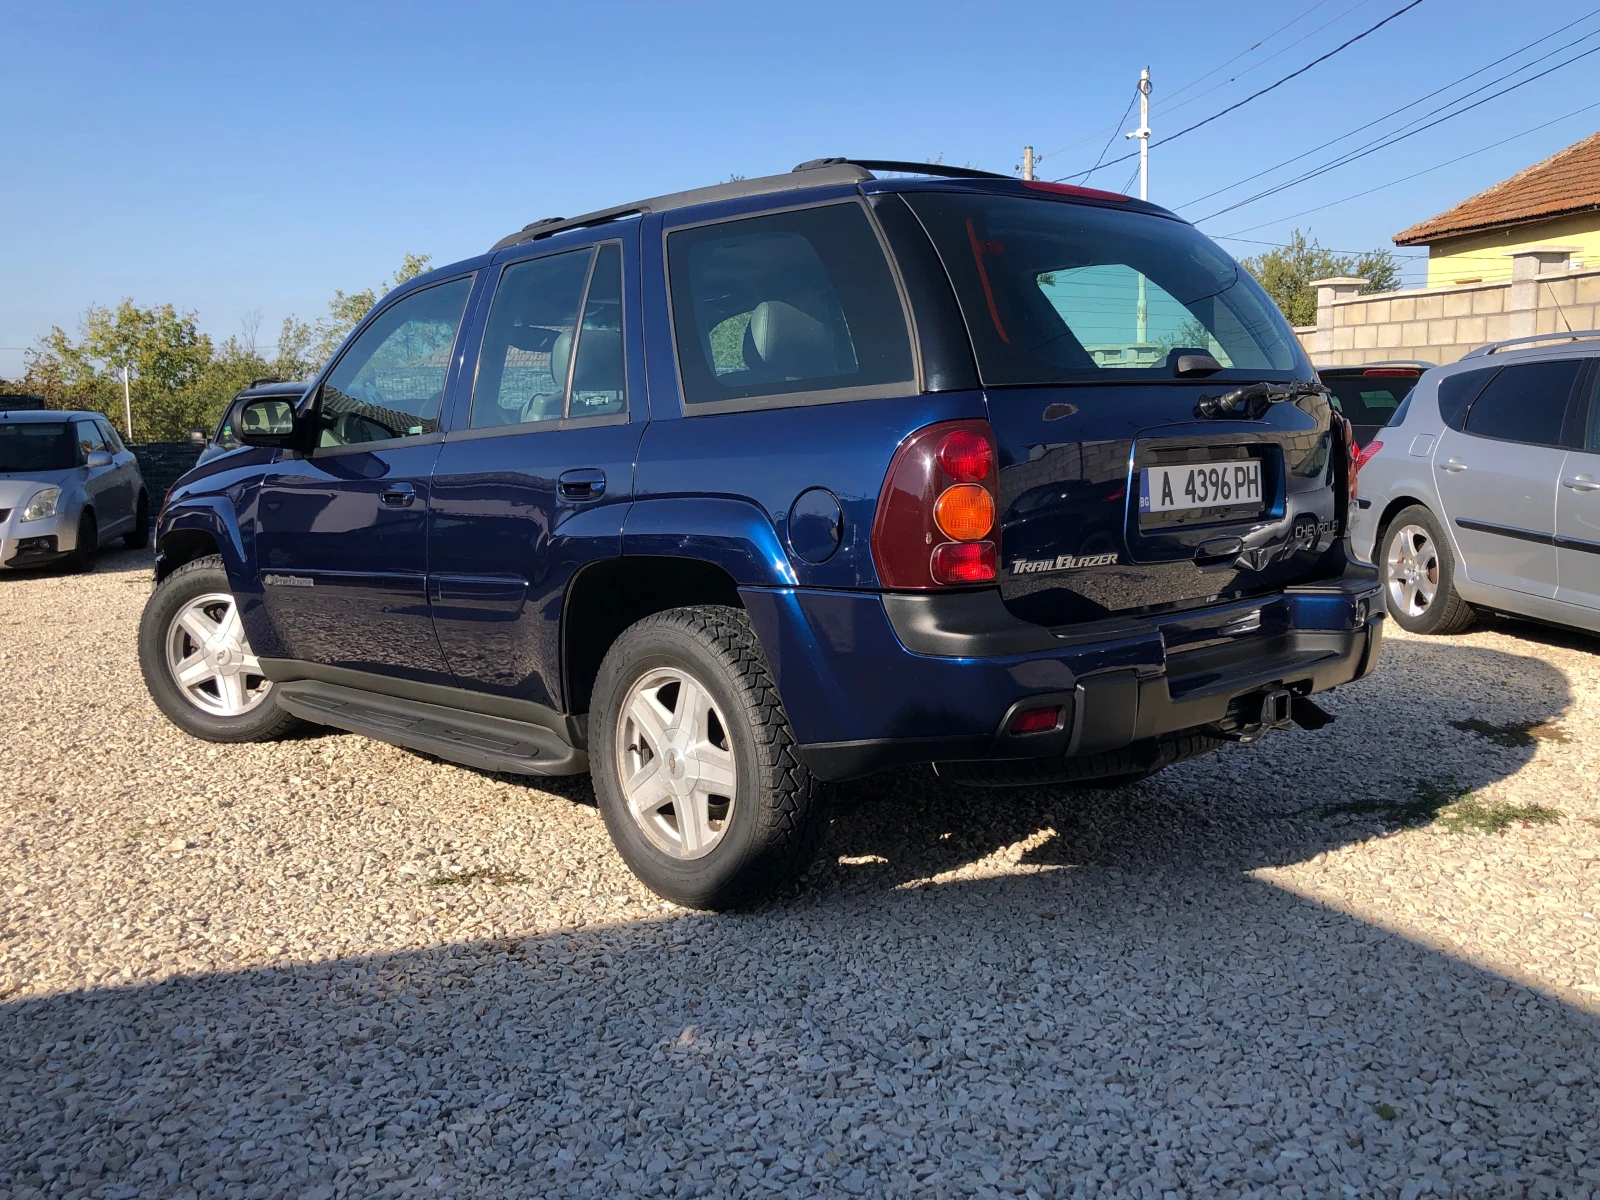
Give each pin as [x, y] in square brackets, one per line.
[827, 174]
[1570, 335]
[905, 168]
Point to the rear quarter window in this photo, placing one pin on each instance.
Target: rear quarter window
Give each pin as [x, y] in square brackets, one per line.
[1456, 392]
[786, 308]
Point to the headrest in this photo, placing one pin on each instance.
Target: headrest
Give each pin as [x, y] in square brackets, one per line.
[790, 343]
[560, 356]
[599, 361]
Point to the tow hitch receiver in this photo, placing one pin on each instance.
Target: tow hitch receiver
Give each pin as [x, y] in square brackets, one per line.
[1276, 709]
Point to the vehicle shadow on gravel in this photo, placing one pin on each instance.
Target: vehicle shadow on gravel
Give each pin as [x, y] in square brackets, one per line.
[1394, 757]
[1151, 1019]
[112, 561]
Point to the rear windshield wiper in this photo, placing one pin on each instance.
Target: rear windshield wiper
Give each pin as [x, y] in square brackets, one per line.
[1254, 398]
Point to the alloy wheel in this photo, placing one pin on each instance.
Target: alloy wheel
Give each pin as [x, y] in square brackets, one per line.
[676, 765]
[210, 658]
[1412, 571]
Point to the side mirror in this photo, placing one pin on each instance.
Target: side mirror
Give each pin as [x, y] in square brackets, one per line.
[266, 422]
[198, 437]
[98, 458]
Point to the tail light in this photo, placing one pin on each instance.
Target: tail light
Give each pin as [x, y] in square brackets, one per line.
[1364, 455]
[937, 516]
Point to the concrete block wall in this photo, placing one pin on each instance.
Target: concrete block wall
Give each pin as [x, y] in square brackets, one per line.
[1441, 324]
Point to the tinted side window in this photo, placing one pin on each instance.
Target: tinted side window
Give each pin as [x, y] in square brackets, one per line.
[390, 382]
[89, 436]
[1458, 391]
[787, 303]
[109, 434]
[1591, 424]
[1525, 403]
[598, 385]
[522, 371]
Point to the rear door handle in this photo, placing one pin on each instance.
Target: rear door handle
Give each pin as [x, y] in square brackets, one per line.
[582, 483]
[1452, 465]
[1582, 483]
[398, 495]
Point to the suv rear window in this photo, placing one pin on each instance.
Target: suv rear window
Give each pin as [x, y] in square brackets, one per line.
[787, 305]
[1056, 292]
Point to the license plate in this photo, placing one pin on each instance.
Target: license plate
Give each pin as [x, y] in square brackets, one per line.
[1200, 485]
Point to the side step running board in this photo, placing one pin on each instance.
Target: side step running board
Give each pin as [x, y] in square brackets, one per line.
[472, 739]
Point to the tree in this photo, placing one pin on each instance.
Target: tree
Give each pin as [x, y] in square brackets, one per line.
[1287, 272]
[163, 351]
[179, 379]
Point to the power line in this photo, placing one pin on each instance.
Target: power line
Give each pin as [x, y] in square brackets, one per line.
[1354, 156]
[1269, 58]
[1122, 120]
[1412, 104]
[1271, 86]
[1415, 174]
[1090, 137]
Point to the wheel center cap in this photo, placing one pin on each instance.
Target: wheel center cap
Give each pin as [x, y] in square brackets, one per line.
[674, 763]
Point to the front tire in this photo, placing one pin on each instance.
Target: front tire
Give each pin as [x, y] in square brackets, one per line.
[87, 551]
[1419, 573]
[197, 662]
[695, 768]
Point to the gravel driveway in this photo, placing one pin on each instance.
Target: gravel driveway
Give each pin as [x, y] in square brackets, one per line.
[330, 967]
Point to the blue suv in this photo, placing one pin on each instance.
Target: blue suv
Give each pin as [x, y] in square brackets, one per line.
[728, 495]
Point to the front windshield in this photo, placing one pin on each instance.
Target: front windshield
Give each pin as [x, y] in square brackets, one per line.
[1059, 292]
[29, 446]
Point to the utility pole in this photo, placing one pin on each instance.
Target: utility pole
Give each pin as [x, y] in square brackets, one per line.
[127, 402]
[1142, 321]
[1027, 162]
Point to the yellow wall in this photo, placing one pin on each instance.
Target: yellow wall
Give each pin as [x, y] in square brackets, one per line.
[1483, 256]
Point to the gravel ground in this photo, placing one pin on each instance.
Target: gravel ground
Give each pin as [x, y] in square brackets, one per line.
[329, 967]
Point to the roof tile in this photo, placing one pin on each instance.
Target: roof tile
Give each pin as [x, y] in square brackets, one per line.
[1566, 182]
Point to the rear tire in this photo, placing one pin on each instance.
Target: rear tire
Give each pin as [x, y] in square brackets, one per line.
[184, 606]
[87, 552]
[695, 767]
[1419, 572]
[138, 537]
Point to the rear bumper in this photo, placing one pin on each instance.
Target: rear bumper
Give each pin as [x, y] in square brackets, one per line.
[871, 681]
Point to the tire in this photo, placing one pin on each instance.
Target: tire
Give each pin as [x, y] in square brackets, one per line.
[87, 552]
[732, 852]
[1109, 769]
[138, 537]
[210, 708]
[1419, 572]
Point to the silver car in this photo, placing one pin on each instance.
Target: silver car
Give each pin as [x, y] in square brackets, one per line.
[67, 486]
[1483, 491]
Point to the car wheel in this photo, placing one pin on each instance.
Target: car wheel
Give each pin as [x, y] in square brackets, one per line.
[87, 552]
[1419, 571]
[138, 537]
[197, 662]
[694, 764]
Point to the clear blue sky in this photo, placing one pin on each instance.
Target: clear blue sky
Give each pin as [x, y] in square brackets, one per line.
[234, 159]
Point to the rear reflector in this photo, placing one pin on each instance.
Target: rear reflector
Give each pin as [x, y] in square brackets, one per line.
[1036, 720]
[964, 562]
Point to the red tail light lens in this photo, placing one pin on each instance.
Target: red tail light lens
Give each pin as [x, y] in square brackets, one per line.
[936, 520]
[1364, 455]
[1036, 720]
[965, 562]
[966, 456]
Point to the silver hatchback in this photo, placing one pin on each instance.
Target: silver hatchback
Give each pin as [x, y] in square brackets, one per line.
[1483, 491]
[67, 486]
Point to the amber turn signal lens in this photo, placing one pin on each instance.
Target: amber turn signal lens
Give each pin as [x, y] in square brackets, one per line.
[965, 512]
[966, 456]
[965, 562]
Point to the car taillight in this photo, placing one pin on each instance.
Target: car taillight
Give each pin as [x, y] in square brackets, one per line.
[1364, 455]
[936, 520]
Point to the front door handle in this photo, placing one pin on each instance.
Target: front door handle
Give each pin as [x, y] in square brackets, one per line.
[398, 495]
[582, 483]
[1452, 465]
[1582, 483]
